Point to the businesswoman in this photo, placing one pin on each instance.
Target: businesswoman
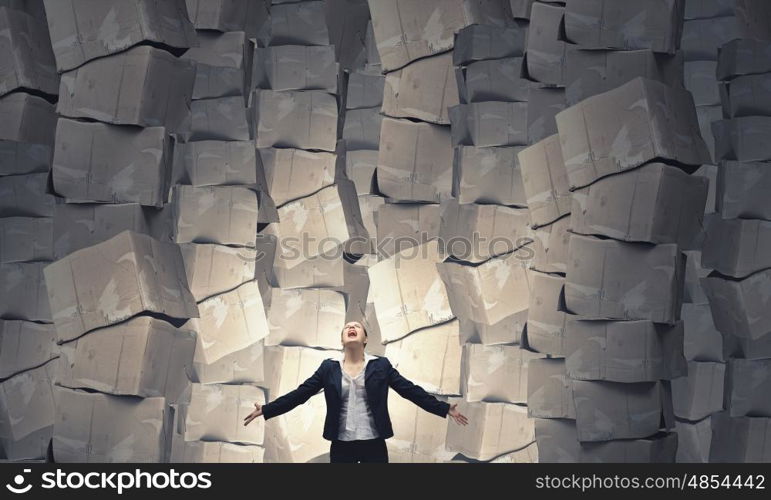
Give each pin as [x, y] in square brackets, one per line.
[356, 391]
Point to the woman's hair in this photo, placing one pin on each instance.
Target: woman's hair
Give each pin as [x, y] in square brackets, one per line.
[363, 328]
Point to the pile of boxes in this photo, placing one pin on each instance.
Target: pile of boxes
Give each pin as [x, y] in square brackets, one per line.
[734, 249]
[609, 317]
[29, 85]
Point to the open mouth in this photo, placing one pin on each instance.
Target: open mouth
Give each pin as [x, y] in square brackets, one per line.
[351, 334]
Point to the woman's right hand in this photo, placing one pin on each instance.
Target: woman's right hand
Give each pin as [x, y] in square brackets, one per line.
[256, 413]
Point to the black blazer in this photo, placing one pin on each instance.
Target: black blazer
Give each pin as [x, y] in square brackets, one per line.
[378, 377]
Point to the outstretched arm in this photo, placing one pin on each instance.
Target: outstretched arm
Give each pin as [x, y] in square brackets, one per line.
[290, 400]
[415, 393]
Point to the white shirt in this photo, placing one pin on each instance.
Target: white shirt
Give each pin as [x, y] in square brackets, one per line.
[356, 420]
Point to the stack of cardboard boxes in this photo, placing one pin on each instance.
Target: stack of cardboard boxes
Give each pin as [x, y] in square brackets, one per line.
[735, 249]
[29, 84]
[611, 324]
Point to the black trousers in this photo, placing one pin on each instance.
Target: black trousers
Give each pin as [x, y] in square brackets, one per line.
[362, 450]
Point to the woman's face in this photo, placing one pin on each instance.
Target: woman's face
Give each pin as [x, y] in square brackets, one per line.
[353, 331]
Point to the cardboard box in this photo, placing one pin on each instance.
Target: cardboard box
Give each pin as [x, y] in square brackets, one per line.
[493, 80]
[79, 226]
[25, 239]
[475, 233]
[295, 67]
[405, 225]
[321, 271]
[114, 280]
[703, 37]
[26, 196]
[487, 292]
[521, 8]
[741, 188]
[545, 181]
[419, 437]
[710, 173]
[95, 162]
[693, 440]
[700, 81]
[294, 119]
[320, 224]
[488, 175]
[23, 293]
[29, 119]
[603, 24]
[752, 16]
[246, 366]
[592, 72]
[601, 283]
[300, 23]
[495, 373]
[423, 90]
[25, 345]
[408, 292]
[197, 419]
[214, 163]
[709, 8]
[549, 390]
[628, 126]
[558, 443]
[286, 367]
[294, 173]
[27, 409]
[740, 439]
[361, 129]
[745, 347]
[296, 437]
[222, 64]
[747, 383]
[142, 86]
[218, 119]
[739, 306]
[414, 161]
[509, 330]
[360, 167]
[737, 247]
[430, 358]
[369, 205]
[549, 251]
[743, 57]
[364, 90]
[406, 31]
[546, 315]
[479, 42]
[546, 50]
[702, 341]
[306, 317]
[606, 411]
[213, 269]
[231, 15]
[493, 429]
[208, 452]
[27, 61]
[100, 428]
[624, 351]
[82, 30]
[694, 271]
[655, 203]
[746, 95]
[229, 322]
[543, 104]
[142, 357]
[743, 139]
[484, 124]
[347, 23]
[18, 158]
[226, 215]
[700, 392]
[706, 115]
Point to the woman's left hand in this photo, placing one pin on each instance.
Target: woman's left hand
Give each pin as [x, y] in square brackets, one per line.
[459, 418]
